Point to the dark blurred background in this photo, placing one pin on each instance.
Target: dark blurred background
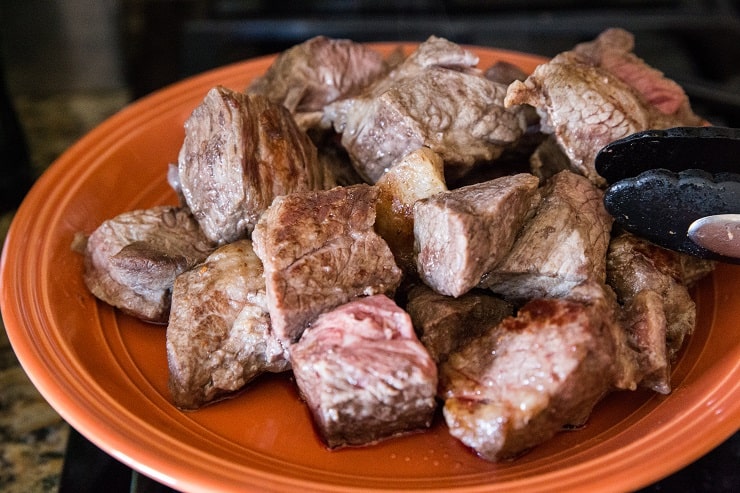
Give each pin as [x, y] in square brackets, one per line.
[83, 59]
[141, 45]
[69, 64]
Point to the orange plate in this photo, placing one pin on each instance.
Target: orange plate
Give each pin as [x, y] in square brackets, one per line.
[106, 373]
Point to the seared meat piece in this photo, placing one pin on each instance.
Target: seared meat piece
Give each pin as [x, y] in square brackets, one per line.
[548, 159]
[612, 51]
[319, 251]
[434, 52]
[239, 153]
[445, 324]
[695, 269]
[418, 175]
[364, 373]
[645, 328]
[583, 106]
[635, 265]
[219, 336]
[462, 234]
[562, 246]
[321, 70]
[338, 169]
[522, 381]
[598, 93]
[504, 73]
[131, 260]
[459, 114]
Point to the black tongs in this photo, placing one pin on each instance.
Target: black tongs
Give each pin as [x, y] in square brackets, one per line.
[679, 188]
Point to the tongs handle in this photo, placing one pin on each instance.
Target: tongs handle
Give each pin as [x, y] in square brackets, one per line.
[711, 149]
[662, 181]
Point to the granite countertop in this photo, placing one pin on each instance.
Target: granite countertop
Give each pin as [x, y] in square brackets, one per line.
[33, 436]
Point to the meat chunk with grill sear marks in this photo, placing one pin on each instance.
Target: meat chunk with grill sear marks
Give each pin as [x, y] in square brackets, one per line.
[364, 373]
[319, 251]
[239, 153]
[132, 260]
[219, 336]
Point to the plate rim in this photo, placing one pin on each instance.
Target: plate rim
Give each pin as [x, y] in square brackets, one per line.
[42, 372]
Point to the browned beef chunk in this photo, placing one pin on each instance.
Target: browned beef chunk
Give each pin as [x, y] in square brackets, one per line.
[548, 159]
[445, 324]
[364, 373]
[461, 235]
[219, 336]
[428, 101]
[635, 265]
[521, 382]
[239, 153]
[695, 269]
[319, 251]
[598, 93]
[606, 109]
[131, 260]
[504, 73]
[338, 169]
[434, 52]
[645, 327]
[612, 51]
[562, 246]
[321, 70]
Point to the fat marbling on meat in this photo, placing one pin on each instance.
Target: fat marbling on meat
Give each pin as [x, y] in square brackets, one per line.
[131, 261]
[219, 336]
[364, 374]
[415, 176]
[319, 251]
[240, 152]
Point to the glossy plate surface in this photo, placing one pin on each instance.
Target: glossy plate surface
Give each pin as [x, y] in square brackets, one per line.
[106, 373]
